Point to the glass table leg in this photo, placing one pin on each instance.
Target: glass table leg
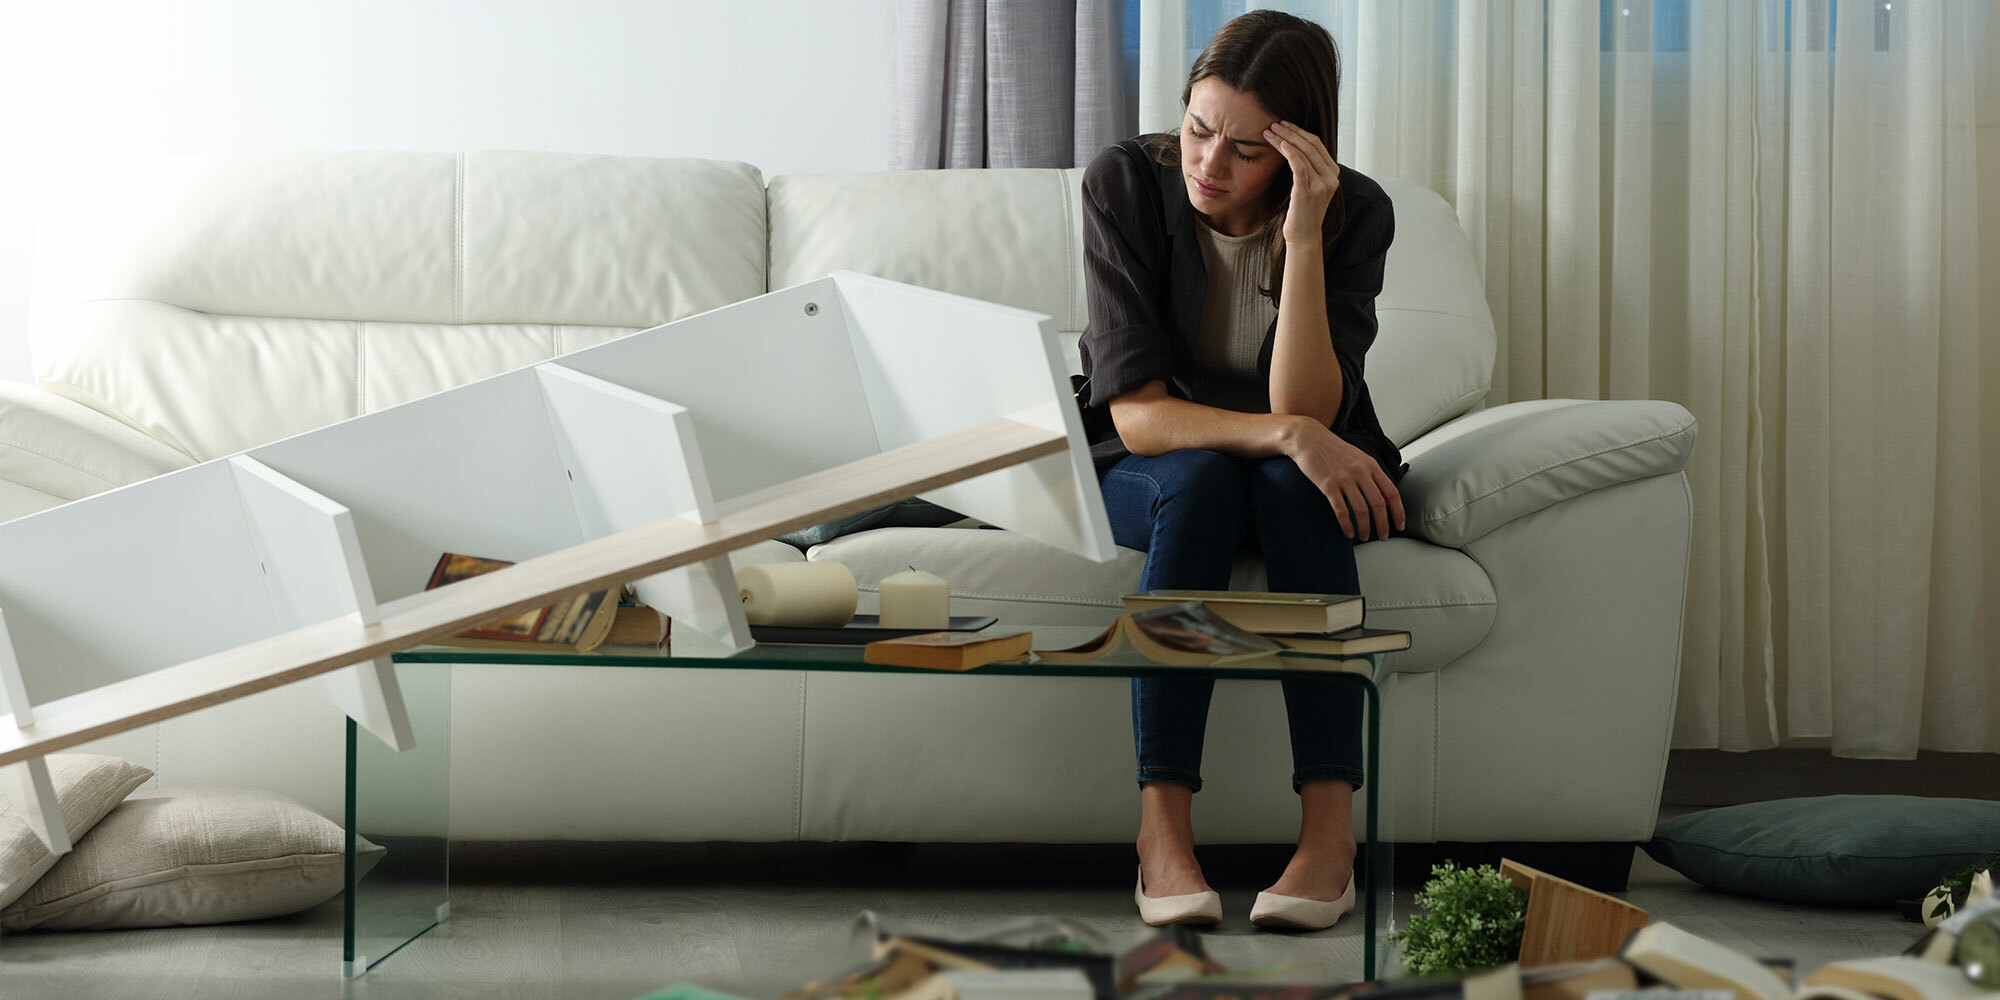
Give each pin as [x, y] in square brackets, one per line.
[398, 825]
[1380, 854]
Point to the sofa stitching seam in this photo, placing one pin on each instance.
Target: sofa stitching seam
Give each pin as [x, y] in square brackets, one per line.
[116, 414]
[458, 241]
[86, 470]
[1680, 431]
[799, 766]
[1437, 752]
[360, 367]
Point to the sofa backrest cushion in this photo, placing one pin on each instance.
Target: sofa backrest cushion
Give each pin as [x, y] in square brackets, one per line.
[1016, 237]
[221, 302]
[1433, 359]
[1012, 236]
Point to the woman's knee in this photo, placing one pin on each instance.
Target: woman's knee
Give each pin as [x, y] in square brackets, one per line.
[1280, 477]
[1208, 482]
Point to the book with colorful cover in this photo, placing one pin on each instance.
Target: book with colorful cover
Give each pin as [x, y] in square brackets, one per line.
[579, 622]
[1187, 634]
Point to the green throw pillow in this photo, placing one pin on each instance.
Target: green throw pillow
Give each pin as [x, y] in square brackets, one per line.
[1831, 850]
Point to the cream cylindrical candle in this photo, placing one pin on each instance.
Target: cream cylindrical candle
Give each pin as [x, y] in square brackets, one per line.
[915, 599]
[806, 593]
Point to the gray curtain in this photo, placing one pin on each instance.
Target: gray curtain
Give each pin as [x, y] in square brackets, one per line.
[1008, 83]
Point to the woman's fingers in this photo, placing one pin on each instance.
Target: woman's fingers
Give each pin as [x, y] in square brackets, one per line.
[1292, 144]
[1337, 499]
[1393, 495]
[1378, 507]
[1357, 504]
[1310, 146]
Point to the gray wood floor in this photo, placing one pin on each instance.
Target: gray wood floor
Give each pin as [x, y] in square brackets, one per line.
[618, 921]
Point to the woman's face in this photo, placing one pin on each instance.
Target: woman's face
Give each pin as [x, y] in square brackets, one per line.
[1225, 160]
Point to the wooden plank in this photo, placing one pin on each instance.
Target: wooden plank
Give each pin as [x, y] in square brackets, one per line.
[604, 562]
[1567, 922]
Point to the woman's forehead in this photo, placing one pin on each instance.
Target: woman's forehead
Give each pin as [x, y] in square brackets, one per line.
[1218, 103]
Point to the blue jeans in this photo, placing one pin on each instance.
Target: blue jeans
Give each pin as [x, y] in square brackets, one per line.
[1190, 511]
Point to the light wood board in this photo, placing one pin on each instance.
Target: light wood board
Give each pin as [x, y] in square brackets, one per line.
[610, 561]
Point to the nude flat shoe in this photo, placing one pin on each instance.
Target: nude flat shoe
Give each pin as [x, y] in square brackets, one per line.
[1187, 908]
[1299, 913]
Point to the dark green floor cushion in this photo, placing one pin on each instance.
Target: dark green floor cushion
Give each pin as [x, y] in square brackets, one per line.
[1833, 850]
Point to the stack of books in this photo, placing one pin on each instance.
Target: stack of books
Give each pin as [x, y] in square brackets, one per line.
[1328, 624]
[1181, 628]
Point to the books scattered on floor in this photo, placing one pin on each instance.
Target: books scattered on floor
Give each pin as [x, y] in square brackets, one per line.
[1898, 978]
[1012, 984]
[687, 991]
[1657, 962]
[1577, 980]
[1170, 954]
[1665, 954]
[1688, 962]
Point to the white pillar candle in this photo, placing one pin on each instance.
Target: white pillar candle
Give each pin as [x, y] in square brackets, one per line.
[806, 593]
[915, 599]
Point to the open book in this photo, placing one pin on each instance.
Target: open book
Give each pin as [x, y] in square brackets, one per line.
[1685, 961]
[1187, 634]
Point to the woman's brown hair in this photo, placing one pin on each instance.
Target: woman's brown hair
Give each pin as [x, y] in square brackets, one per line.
[1292, 67]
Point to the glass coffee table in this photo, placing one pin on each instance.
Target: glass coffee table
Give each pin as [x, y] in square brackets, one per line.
[401, 802]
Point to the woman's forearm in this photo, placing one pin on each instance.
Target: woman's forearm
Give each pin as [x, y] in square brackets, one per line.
[1305, 372]
[1150, 422]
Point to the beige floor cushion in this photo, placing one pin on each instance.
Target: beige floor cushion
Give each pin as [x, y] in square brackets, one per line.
[87, 787]
[191, 856]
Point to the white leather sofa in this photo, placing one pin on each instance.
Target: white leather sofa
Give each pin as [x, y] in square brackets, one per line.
[188, 309]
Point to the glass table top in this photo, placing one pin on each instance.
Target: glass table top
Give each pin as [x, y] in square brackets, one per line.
[820, 656]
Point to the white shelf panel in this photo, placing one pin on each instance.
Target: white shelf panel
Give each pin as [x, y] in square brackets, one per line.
[646, 459]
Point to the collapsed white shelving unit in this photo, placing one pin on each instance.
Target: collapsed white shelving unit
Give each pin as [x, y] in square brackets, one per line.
[644, 459]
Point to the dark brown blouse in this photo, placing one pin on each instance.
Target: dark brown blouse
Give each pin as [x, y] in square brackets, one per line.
[1146, 281]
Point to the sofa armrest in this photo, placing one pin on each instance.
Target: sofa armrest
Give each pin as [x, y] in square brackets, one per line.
[1488, 468]
[67, 450]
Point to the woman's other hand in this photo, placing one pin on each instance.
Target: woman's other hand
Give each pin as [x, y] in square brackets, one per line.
[1364, 499]
[1315, 177]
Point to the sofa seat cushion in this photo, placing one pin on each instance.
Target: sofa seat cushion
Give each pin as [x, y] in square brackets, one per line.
[1440, 595]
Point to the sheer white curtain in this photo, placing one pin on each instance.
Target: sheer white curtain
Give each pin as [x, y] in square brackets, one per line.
[1772, 212]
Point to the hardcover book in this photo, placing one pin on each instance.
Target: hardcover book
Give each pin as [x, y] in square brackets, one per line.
[1258, 611]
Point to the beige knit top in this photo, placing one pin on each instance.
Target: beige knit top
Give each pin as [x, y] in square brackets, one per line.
[1235, 315]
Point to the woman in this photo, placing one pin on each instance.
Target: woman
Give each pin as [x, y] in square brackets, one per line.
[1232, 270]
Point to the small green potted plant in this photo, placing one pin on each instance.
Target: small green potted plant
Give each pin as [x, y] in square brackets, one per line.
[1472, 919]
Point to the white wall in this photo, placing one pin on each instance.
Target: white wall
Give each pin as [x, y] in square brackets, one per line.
[792, 86]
